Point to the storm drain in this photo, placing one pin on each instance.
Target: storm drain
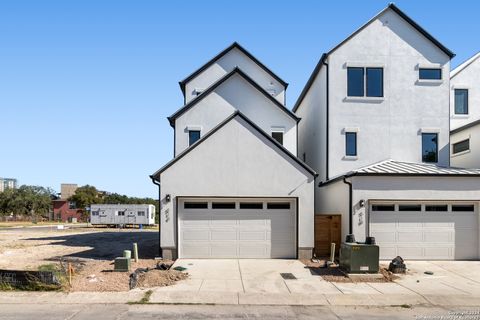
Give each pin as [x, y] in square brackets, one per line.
[288, 276]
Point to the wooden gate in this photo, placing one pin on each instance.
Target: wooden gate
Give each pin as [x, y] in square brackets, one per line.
[328, 229]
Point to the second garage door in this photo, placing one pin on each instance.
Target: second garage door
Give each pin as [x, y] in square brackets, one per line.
[425, 231]
[237, 228]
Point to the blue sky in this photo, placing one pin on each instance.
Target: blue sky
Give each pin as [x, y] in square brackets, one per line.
[86, 86]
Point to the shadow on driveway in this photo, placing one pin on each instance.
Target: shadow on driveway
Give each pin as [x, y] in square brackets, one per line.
[107, 245]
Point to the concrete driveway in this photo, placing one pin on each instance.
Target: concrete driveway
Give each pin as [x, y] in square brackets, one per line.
[457, 278]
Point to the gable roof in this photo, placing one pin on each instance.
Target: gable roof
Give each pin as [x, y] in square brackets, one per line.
[402, 168]
[205, 93]
[464, 65]
[395, 9]
[218, 127]
[220, 55]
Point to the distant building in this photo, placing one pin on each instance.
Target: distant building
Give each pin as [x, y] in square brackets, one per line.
[64, 210]
[7, 183]
[67, 190]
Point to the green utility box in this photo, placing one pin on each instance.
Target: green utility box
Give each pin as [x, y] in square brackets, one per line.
[122, 264]
[359, 257]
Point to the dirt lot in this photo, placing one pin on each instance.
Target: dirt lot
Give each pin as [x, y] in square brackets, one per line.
[91, 252]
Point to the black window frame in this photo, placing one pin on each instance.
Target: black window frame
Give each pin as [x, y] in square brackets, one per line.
[354, 134]
[436, 147]
[280, 138]
[383, 207]
[465, 112]
[190, 142]
[278, 205]
[456, 145]
[195, 205]
[429, 69]
[251, 205]
[366, 82]
[223, 205]
[349, 88]
[410, 207]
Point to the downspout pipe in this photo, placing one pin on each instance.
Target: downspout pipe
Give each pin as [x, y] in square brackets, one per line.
[350, 205]
[155, 182]
[327, 100]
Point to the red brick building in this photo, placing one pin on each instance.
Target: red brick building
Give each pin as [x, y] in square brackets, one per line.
[64, 210]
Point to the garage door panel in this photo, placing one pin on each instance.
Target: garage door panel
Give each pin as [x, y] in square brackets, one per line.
[237, 233]
[426, 234]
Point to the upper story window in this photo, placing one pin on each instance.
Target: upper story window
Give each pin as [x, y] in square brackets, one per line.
[461, 146]
[351, 144]
[461, 101]
[72, 205]
[193, 136]
[278, 136]
[364, 82]
[430, 74]
[430, 147]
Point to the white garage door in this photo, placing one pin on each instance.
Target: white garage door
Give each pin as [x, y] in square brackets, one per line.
[237, 228]
[423, 231]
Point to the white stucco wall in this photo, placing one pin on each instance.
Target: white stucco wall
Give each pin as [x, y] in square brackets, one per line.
[468, 78]
[470, 158]
[234, 58]
[408, 188]
[334, 199]
[232, 95]
[312, 126]
[237, 161]
[388, 127]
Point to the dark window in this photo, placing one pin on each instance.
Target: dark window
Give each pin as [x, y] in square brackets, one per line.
[251, 205]
[410, 207]
[304, 157]
[223, 205]
[461, 101]
[355, 85]
[278, 136]
[436, 207]
[461, 146]
[463, 207]
[278, 205]
[429, 147]
[430, 74]
[120, 213]
[141, 213]
[72, 205]
[383, 207]
[195, 205]
[193, 136]
[374, 82]
[351, 143]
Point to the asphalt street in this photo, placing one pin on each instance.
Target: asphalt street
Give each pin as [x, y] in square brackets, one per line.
[123, 311]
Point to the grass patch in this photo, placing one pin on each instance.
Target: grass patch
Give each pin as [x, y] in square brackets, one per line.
[34, 284]
[145, 299]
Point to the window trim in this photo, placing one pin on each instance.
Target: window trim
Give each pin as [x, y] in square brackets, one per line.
[455, 101]
[347, 133]
[436, 151]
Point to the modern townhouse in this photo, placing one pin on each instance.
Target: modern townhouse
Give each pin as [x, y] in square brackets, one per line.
[235, 187]
[376, 127]
[465, 114]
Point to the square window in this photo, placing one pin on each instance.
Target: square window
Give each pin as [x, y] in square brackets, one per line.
[193, 136]
[461, 146]
[430, 74]
[350, 143]
[355, 82]
[278, 136]
[429, 147]
[374, 82]
[461, 101]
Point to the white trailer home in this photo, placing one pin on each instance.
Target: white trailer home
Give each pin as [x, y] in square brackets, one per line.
[122, 214]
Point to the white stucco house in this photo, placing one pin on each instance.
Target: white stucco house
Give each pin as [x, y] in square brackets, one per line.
[376, 128]
[235, 187]
[465, 114]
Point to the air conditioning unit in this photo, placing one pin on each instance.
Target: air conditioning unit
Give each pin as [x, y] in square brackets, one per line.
[359, 257]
